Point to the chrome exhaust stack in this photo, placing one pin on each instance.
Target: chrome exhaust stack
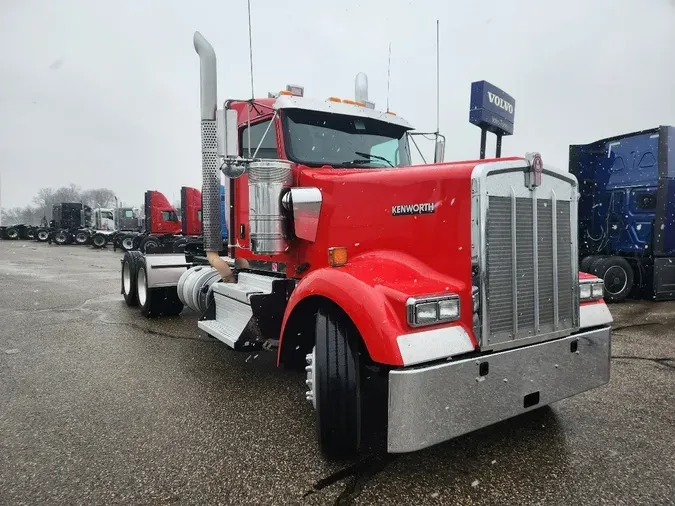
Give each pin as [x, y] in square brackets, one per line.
[208, 81]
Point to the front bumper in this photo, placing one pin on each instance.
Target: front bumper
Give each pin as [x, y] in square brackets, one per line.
[428, 405]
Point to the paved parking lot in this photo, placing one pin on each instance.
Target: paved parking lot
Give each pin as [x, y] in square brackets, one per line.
[100, 406]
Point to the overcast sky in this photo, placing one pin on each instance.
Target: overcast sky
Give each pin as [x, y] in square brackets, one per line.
[103, 93]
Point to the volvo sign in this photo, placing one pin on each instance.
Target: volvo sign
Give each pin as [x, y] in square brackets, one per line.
[491, 108]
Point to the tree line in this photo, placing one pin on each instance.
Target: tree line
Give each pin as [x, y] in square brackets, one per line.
[47, 197]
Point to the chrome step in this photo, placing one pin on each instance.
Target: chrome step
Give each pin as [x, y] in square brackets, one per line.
[233, 308]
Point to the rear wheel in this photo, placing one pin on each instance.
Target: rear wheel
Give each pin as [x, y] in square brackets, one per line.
[179, 245]
[586, 262]
[149, 244]
[336, 384]
[42, 235]
[130, 264]
[30, 234]
[12, 233]
[127, 242]
[99, 240]
[618, 277]
[156, 301]
[81, 237]
[61, 237]
[595, 267]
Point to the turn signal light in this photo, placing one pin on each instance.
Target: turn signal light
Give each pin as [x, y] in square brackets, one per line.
[337, 256]
[334, 99]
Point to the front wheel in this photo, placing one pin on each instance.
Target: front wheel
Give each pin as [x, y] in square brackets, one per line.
[98, 241]
[336, 384]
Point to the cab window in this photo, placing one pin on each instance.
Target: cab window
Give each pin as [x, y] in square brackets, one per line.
[268, 148]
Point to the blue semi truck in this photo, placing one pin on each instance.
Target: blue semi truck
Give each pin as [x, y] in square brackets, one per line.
[626, 212]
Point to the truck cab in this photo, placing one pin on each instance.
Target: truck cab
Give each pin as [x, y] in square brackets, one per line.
[627, 212]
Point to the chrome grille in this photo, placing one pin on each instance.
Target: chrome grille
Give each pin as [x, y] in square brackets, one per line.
[530, 289]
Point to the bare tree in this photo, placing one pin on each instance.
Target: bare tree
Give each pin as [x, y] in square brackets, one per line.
[99, 197]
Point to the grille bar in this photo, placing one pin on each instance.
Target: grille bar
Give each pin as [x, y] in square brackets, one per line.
[514, 262]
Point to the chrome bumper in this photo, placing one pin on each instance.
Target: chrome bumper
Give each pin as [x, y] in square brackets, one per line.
[428, 405]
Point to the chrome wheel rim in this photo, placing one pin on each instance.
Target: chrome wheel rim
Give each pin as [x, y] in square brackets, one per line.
[126, 278]
[142, 290]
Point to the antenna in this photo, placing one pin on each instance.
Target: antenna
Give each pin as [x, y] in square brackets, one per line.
[250, 46]
[250, 51]
[438, 80]
[388, 76]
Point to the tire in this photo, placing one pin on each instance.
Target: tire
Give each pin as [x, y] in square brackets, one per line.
[61, 237]
[129, 269]
[127, 243]
[618, 276]
[179, 245]
[149, 244]
[81, 237]
[586, 262]
[156, 301]
[12, 233]
[41, 235]
[337, 385]
[99, 241]
[596, 266]
[30, 234]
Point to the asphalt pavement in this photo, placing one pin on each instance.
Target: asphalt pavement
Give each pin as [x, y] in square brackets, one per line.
[99, 405]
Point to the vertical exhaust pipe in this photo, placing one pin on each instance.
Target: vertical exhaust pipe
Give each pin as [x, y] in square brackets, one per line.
[208, 80]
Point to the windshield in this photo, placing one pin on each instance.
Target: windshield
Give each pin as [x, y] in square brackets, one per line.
[318, 138]
[108, 215]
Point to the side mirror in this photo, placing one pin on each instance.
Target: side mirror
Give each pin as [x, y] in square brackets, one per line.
[439, 151]
[228, 140]
[228, 143]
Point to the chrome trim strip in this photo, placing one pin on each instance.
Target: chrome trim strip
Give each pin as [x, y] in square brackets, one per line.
[535, 259]
[514, 262]
[554, 243]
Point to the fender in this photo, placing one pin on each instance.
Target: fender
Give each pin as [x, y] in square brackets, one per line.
[372, 289]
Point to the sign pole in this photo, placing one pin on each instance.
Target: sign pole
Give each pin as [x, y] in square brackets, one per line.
[498, 153]
[483, 140]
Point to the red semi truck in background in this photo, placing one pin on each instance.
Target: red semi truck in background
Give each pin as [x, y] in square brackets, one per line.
[455, 284]
[164, 229]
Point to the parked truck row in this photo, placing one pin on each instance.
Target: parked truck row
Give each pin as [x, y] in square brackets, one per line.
[161, 228]
[448, 295]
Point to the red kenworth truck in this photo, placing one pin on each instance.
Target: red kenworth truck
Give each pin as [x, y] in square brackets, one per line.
[454, 283]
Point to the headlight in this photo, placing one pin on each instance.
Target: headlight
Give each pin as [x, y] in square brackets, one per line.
[591, 290]
[435, 309]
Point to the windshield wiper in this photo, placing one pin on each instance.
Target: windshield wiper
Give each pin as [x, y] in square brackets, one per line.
[373, 157]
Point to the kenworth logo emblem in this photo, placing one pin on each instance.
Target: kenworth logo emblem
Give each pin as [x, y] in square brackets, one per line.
[536, 169]
[408, 209]
[500, 102]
